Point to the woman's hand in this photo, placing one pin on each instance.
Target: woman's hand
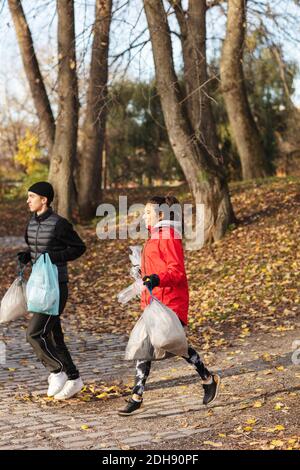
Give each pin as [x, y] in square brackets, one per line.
[151, 281]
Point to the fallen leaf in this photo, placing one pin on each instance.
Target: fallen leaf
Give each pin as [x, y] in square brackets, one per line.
[257, 404]
[213, 444]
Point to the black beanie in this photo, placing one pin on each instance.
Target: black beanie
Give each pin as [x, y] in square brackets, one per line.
[43, 188]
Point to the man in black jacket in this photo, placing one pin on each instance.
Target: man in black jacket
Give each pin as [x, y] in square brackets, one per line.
[47, 232]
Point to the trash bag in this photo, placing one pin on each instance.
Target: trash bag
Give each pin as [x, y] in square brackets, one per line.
[135, 289]
[164, 328]
[135, 272]
[42, 287]
[135, 256]
[13, 304]
[139, 346]
[131, 291]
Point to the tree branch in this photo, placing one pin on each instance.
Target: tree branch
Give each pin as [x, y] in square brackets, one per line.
[32, 70]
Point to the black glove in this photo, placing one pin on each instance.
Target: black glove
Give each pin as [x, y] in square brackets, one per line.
[24, 257]
[151, 281]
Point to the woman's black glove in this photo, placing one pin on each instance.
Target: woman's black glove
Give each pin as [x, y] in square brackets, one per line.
[151, 281]
[24, 257]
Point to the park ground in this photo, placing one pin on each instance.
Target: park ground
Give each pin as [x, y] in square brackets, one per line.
[244, 321]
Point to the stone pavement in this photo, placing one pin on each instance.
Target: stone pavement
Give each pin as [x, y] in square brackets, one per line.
[12, 243]
[28, 425]
[172, 414]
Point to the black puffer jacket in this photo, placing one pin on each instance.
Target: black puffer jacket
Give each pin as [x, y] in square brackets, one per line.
[50, 233]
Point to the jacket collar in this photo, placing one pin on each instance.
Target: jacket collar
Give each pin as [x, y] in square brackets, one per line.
[170, 224]
[44, 215]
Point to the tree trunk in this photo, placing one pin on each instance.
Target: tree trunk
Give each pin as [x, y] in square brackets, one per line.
[243, 126]
[206, 180]
[192, 25]
[33, 73]
[64, 150]
[90, 164]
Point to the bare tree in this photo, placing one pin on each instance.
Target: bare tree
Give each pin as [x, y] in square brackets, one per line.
[64, 150]
[33, 73]
[192, 23]
[244, 129]
[90, 161]
[205, 177]
[61, 137]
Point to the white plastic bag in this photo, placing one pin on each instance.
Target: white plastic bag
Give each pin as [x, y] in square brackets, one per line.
[131, 291]
[164, 328]
[135, 256]
[135, 272]
[135, 289]
[14, 304]
[139, 346]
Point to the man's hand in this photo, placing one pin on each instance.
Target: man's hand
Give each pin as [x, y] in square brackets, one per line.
[151, 281]
[23, 257]
[54, 256]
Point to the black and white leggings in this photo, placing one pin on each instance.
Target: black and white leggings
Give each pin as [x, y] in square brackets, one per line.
[143, 370]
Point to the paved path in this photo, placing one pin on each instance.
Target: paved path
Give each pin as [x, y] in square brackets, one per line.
[25, 424]
[173, 413]
[12, 242]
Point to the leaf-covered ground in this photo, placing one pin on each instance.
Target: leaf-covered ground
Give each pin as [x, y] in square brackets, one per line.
[248, 281]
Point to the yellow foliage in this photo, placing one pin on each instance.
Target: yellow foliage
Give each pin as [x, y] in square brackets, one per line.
[251, 421]
[28, 153]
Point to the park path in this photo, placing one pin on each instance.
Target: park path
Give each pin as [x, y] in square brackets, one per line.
[257, 375]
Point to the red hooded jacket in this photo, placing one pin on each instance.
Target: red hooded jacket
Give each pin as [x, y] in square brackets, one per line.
[163, 255]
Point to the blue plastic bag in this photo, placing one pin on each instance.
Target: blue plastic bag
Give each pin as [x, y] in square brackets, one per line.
[42, 288]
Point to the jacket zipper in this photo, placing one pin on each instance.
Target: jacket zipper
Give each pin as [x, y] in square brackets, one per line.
[37, 232]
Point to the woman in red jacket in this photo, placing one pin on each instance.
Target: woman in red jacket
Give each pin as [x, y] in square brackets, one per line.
[163, 271]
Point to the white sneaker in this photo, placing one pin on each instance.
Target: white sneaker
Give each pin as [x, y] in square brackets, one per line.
[70, 389]
[56, 383]
[50, 377]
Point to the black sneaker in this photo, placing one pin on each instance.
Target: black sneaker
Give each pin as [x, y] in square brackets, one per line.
[131, 408]
[211, 390]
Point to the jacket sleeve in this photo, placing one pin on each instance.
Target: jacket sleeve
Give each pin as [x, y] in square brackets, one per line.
[27, 256]
[75, 247]
[172, 252]
[26, 235]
